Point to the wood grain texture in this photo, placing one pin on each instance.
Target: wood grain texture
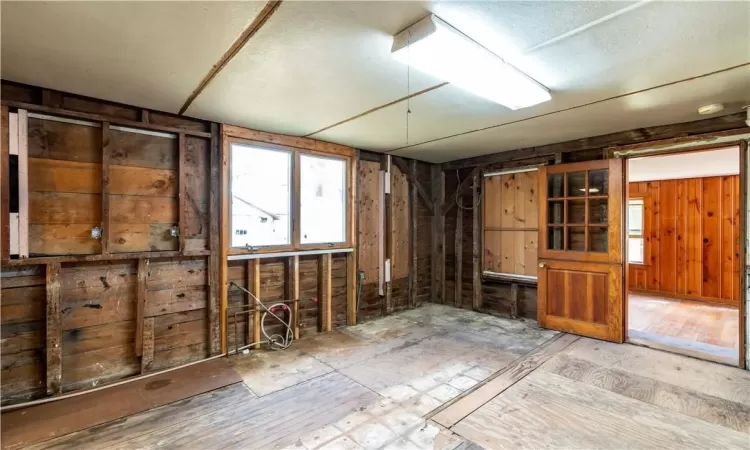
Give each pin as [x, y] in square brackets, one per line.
[54, 331]
[148, 344]
[4, 183]
[577, 415]
[692, 232]
[96, 408]
[324, 291]
[143, 275]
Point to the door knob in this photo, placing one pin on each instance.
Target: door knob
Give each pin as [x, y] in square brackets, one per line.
[541, 265]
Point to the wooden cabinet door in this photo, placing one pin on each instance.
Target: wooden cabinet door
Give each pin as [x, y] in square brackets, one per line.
[580, 249]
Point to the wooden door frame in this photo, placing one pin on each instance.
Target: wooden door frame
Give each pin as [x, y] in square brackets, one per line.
[742, 143]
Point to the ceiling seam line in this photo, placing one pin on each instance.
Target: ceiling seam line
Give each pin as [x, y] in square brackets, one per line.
[585, 27]
[531, 49]
[640, 91]
[372, 110]
[249, 31]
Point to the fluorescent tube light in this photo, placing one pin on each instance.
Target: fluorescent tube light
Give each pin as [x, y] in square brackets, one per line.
[436, 48]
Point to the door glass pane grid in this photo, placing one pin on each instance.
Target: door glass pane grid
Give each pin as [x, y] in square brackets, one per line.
[577, 219]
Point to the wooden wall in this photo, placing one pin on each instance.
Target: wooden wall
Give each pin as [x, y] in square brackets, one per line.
[691, 239]
[511, 210]
[139, 300]
[80, 312]
[500, 297]
[372, 304]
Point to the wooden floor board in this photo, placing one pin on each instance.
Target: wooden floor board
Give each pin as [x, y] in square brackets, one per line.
[545, 410]
[281, 417]
[721, 381]
[685, 401]
[123, 430]
[55, 419]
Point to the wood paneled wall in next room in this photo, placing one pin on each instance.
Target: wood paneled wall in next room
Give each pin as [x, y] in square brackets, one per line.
[692, 239]
[498, 297]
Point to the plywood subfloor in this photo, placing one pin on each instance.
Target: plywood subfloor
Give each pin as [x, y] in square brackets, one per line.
[596, 395]
[370, 386]
[702, 330]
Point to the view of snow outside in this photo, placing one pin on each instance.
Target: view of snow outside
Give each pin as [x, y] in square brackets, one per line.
[261, 196]
[323, 199]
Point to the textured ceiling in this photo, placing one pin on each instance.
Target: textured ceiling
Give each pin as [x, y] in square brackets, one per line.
[610, 66]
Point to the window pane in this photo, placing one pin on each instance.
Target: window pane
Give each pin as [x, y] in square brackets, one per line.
[261, 197]
[635, 250]
[322, 200]
[576, 184]
[635, 217]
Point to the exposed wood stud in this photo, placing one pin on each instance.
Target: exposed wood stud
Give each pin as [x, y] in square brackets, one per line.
[23, 184]
[213, 259]
[249, 32]
[224, 242]
[438, 236]
[413, 206]
[183, 201]
[148, 344]
[388, 233]
[476, 253]
[253, 274]
[292, 290]
[106, 157]
[54, 331]
[96, 257]
[324, 291]
[450, 202]
[145, 116]
[351, 288]
[514, 300]
[5, 185]
[140, 304]
[458, 258]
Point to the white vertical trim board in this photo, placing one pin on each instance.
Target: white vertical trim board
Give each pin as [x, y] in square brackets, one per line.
[23, 184]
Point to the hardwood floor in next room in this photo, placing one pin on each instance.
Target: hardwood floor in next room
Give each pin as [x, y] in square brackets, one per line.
[703, 330]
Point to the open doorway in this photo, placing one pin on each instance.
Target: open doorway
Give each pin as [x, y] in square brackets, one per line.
[684, 259]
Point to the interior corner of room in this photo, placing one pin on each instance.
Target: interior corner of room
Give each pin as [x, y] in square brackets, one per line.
[371, 225]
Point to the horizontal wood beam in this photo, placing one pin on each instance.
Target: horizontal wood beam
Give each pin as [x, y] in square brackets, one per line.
[102, 118]
[450, 202]
[721, 123]
[110, 257]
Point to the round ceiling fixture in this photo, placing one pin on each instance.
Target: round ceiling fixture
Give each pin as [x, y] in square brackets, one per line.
[710, 109]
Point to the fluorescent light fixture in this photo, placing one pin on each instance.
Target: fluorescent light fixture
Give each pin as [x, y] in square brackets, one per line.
[436, 48]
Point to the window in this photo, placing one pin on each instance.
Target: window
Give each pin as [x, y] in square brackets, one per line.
[635, 231]
[322, 199]
[261, 196]
[286, 198]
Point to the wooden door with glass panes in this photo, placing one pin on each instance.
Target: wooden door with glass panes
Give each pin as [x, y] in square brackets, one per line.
[580, 263]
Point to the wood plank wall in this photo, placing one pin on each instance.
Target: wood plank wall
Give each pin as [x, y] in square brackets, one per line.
[72, 167]
[117, 321]
[692, 239]
[496, 297]
[371, 303]
[511, 209]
